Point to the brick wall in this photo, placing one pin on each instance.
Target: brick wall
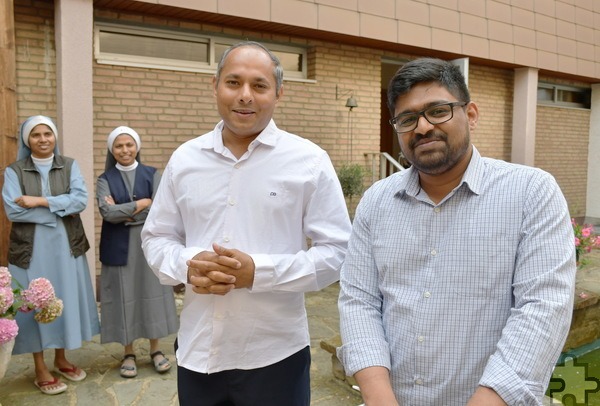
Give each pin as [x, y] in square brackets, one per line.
[167, 107]
[492, 90]
[320, 117]
[561, 148]
[36, 59]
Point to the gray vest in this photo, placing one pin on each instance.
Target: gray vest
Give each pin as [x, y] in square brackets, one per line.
[20, 248]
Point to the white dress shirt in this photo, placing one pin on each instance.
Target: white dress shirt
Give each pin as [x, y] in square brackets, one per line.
[282, 191]
[476, 290]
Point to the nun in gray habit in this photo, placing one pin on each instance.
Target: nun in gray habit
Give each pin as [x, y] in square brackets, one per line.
[133, 302]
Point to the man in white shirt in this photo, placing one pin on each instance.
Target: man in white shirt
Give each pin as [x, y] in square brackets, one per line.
[231, 218]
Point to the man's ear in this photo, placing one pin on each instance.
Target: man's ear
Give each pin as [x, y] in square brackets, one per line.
[472, 115]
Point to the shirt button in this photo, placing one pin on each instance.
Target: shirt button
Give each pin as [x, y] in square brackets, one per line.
[427, 294]
[419, 381]
[226, 239]
[231, 202]
[433, 252]
[237, 166]
[437, 209]
[421, 339]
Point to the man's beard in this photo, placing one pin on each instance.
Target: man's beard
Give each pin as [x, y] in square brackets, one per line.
[451, 155]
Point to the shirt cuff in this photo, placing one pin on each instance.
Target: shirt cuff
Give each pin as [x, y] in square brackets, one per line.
[364, 354]
[181, 271]
[264, 271]
[501, 377]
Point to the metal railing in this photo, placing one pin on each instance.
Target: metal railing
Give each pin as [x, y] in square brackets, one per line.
[382, 165]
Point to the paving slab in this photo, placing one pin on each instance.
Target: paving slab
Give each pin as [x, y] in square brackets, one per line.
[105, 387]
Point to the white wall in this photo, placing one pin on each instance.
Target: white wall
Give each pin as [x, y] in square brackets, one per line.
[593, 184]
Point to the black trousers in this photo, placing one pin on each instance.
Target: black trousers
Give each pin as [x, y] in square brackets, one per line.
[286, 383]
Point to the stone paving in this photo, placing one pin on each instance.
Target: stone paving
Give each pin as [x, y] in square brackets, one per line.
[105, 387]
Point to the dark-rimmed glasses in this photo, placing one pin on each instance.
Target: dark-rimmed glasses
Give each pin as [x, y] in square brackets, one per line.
[438, 114]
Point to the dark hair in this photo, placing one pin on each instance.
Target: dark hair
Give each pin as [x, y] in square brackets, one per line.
[277, 70]
[427, 70]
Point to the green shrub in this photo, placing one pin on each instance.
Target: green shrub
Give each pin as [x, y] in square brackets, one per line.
[351, 179]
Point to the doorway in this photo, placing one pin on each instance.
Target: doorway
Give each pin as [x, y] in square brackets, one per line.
[388, 140]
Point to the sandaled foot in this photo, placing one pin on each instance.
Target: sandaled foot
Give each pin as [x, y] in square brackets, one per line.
[53, 387]
[128, 367]
[72, 373]
[161, 363]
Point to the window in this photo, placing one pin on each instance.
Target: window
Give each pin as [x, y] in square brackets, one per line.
[130, 45]
[564, 96]
[293, 59]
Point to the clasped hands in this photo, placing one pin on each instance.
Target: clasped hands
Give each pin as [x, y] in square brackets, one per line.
[220, 271]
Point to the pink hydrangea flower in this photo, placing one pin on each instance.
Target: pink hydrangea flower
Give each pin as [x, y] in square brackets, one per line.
[25, 308]
[5, 277]
[39, 294]
[6, 299]
[49, 313]
[586, 232]
[8, 330]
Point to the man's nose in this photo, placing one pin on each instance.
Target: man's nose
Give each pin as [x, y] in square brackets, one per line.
[246, 94]
[423, 126]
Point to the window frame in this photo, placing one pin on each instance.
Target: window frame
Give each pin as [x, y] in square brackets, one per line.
[209, 67]
[559, 103]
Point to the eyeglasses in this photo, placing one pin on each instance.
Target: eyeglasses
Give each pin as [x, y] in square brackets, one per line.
[438, 114]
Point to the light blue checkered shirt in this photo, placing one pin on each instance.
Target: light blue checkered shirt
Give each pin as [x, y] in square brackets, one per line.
[476, 290]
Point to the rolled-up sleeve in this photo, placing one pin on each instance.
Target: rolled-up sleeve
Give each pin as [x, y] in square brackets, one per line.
[543, 289]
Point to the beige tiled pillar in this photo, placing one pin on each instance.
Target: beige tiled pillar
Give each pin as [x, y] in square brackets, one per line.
[74, 38]
[524, 116]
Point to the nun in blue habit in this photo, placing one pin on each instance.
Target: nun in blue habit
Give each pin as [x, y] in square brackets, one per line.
[43, 194]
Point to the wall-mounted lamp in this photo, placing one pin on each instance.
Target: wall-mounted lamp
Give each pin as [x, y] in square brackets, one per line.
[351, 101]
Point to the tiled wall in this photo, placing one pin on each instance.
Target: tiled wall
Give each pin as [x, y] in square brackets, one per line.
[557, 35]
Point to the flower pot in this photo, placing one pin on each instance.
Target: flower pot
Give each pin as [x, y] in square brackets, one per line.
[5, 353]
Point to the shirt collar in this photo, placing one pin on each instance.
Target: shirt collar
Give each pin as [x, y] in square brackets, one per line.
[475, 173]
[268, 137]
[472, 178]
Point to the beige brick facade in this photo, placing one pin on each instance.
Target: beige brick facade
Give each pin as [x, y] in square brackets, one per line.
[168, 107]
[562, 149]
[36, 59]
[491, 90]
